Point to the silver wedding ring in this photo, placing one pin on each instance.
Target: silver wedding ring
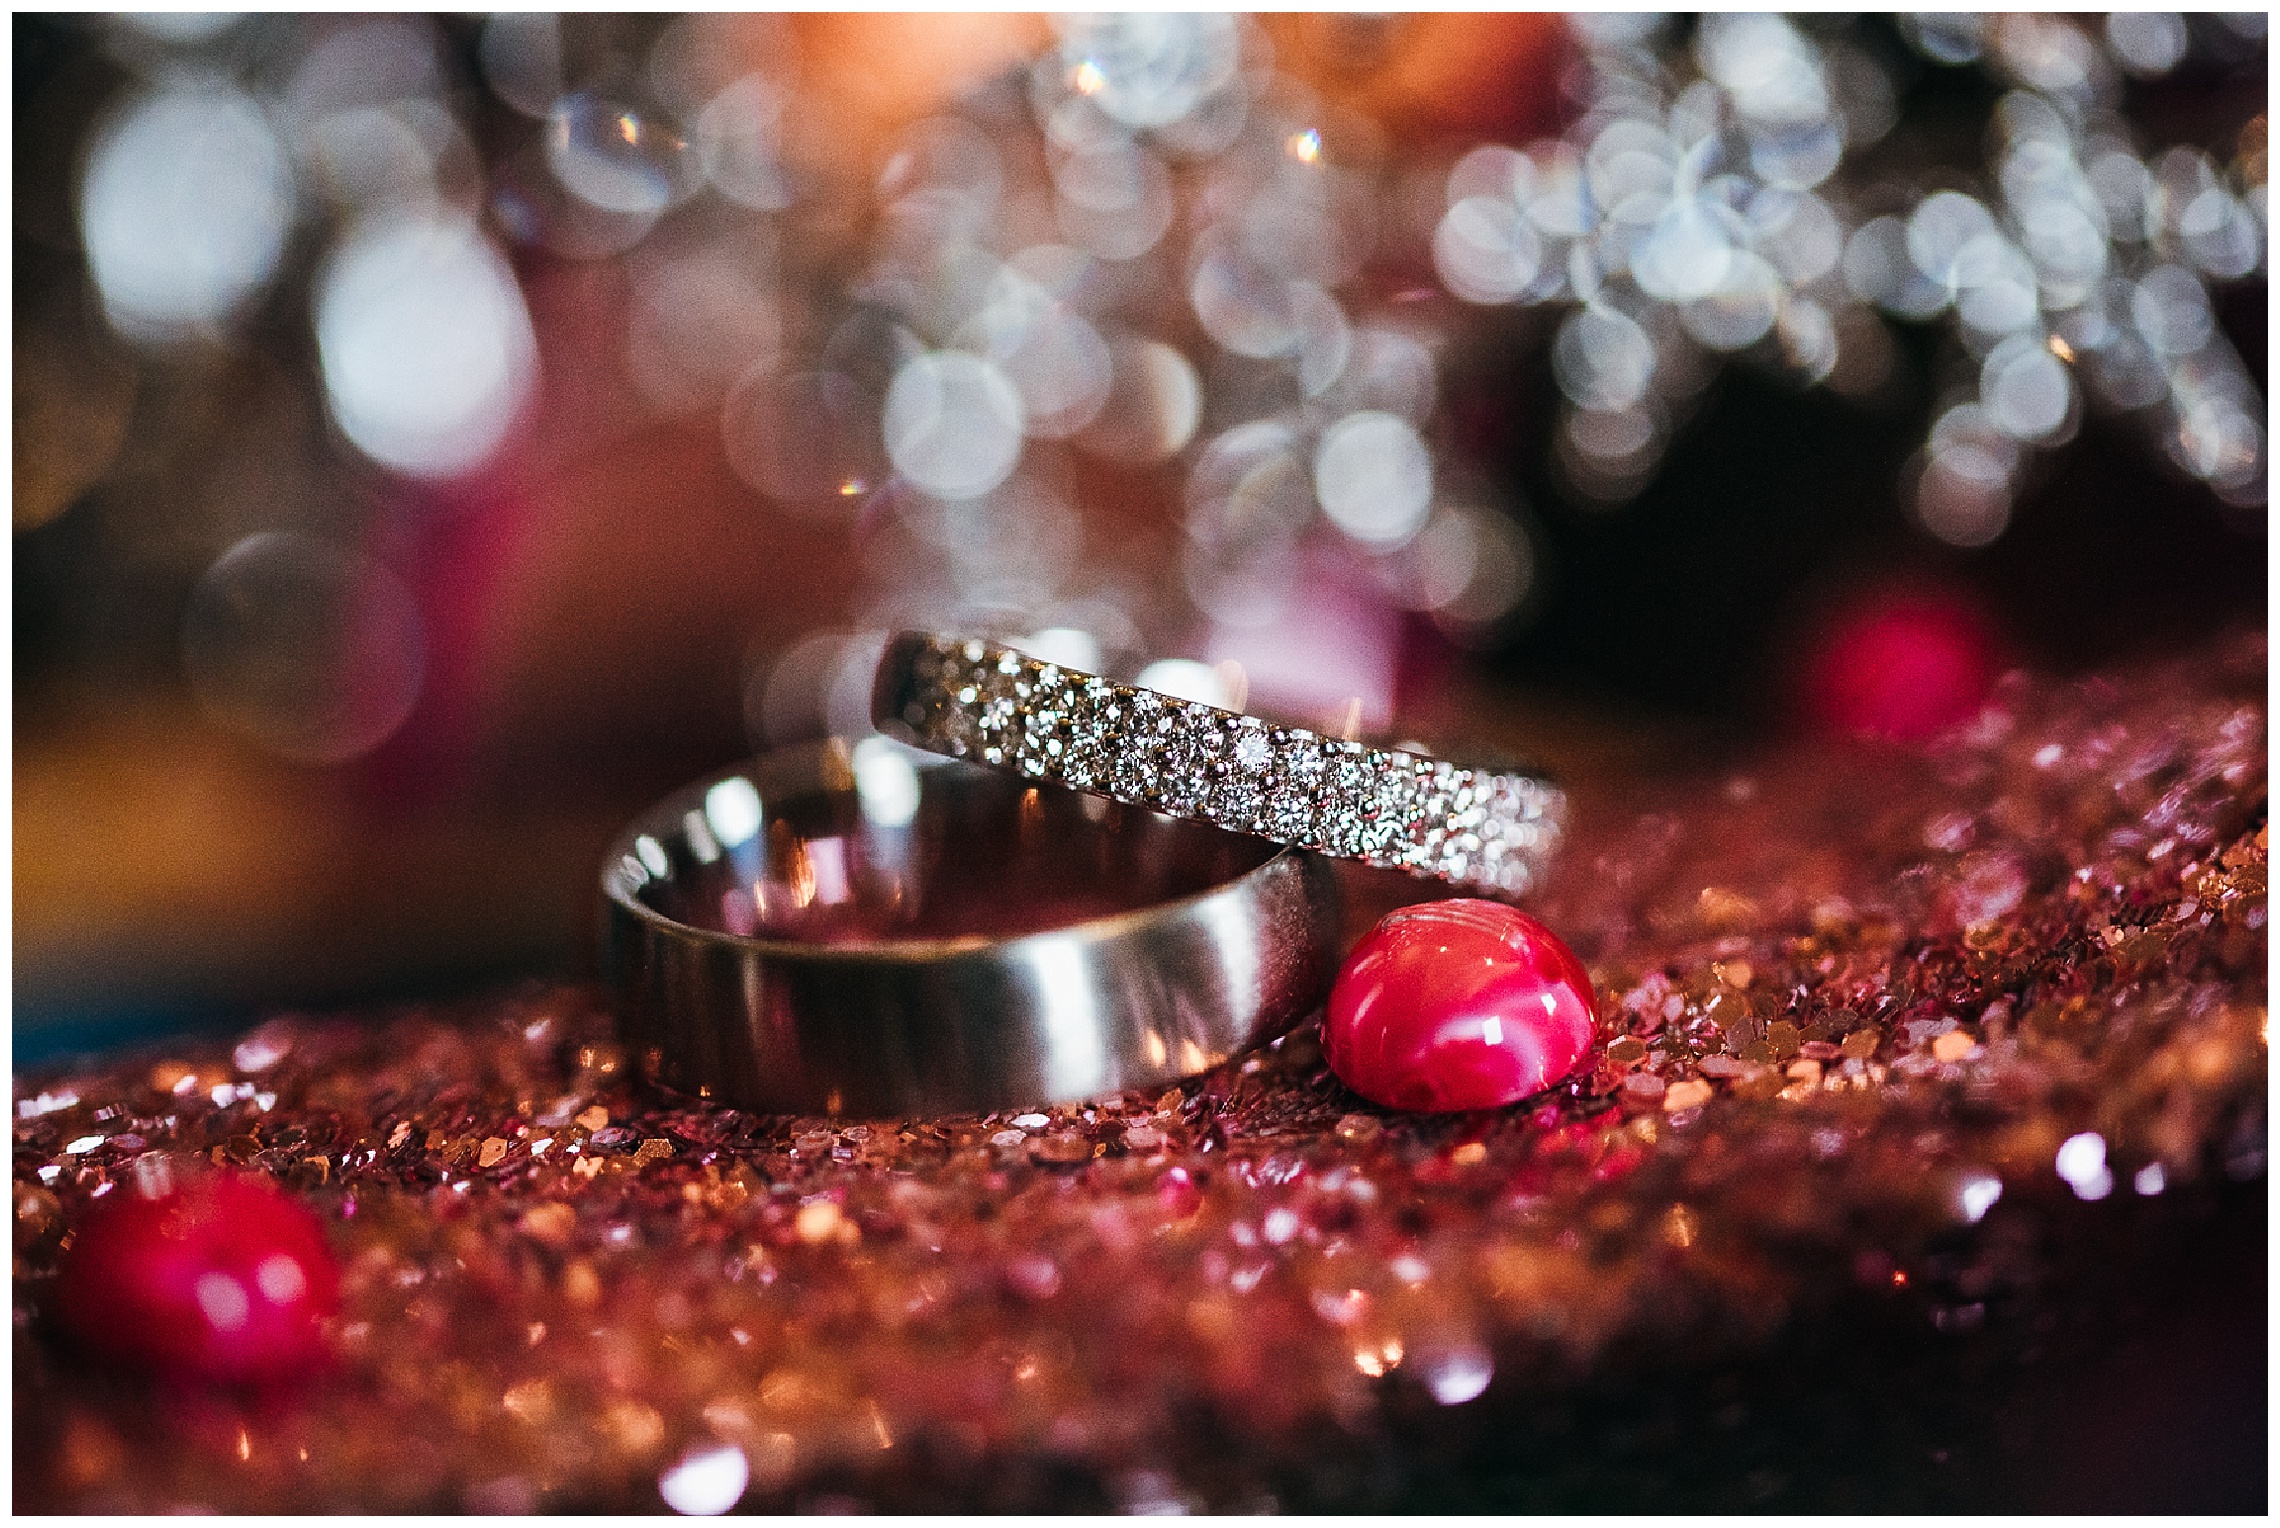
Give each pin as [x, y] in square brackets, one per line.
[1481, 829]
[868, 931]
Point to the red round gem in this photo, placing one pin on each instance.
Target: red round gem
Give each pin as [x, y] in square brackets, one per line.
[1463, 1004]
[221, 1279]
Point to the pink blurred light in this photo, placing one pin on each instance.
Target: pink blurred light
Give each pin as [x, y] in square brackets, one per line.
[1335, 642]
[1901, 665]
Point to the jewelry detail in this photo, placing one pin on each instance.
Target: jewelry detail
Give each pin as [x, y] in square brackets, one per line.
[836, 931]
[1461, 1004]
[220, 1278]
[1482, 829]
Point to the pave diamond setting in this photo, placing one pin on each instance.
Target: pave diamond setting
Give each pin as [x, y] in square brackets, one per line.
[1486, 830]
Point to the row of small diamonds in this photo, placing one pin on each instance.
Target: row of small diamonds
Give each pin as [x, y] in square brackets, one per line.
[1383, 807]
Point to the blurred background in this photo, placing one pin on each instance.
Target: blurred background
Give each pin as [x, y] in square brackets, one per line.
[437, 437]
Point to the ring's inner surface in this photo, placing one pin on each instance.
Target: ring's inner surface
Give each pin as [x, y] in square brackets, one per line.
[906, 853]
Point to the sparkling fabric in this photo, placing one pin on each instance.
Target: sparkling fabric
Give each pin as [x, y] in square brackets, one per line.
[1922, 1076]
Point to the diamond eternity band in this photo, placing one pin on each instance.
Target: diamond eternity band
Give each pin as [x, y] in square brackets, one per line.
[1481, 829]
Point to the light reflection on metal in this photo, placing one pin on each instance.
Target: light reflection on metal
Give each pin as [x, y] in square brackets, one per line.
[732, 810]
[1069, 1010]
[826, 860]
[702, 845]
[906, 1008]
[886, 781]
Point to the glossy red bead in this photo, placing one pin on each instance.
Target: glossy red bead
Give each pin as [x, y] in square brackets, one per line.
[222, 1279]
[1464, 1004]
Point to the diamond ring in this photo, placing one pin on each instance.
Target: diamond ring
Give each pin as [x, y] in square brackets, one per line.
[1486, 830]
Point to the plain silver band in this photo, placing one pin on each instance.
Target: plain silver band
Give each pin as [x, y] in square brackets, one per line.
[1484, 830]
[904, 1027]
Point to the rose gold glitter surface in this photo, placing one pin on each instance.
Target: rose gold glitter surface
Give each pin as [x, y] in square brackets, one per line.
[1816, 1228]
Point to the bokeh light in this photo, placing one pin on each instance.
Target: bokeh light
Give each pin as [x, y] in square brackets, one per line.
[1148, 330]
[1149, 71]
[1374, 478]
[309, 648]
[425, 344]
[706, 1480]
[953, 424]
[808, 440]
[186, 205]
[700, 320]
[1683, 218]
[1154, 402]
[610, 156]
[1056, 360]
[818, 687]
[1900, 665]
[1203, 683]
